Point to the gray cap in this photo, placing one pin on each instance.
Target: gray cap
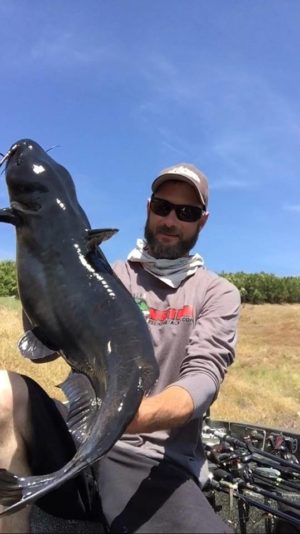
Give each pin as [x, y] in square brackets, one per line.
[185, 172]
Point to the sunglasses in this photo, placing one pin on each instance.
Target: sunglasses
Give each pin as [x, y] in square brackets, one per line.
[185, 213]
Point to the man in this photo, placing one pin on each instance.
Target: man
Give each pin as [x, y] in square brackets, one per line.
[150, 481]
[152, 478]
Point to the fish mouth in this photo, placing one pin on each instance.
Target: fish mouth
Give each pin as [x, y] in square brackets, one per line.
[25, 191]
[29, 209]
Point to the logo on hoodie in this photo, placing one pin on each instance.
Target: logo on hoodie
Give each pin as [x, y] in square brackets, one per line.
[166, 316]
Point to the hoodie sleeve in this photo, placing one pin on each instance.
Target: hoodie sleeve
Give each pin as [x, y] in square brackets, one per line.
[211, 347]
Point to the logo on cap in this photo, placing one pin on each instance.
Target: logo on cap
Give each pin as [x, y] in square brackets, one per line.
[184, 171]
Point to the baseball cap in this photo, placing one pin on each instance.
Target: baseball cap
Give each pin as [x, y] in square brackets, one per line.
[185, 172]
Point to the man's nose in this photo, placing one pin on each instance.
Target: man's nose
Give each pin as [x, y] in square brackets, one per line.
[171, 218]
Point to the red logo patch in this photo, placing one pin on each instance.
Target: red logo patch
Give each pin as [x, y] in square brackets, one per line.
[170, 314]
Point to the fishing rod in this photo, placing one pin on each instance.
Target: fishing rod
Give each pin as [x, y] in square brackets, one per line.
[279, 482]
[233, 489]
[220, 475]
[238, 467]
[254, 450]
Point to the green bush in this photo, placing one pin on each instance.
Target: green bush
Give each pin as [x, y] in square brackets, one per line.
[8, 279]
[259, 288]
[255, 288]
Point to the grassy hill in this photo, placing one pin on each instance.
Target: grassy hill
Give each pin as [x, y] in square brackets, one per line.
[261, 387]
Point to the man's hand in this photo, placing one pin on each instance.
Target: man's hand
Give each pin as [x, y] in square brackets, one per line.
[169, 409]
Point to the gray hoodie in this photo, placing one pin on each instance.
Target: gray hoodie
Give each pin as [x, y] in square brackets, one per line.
[193, 329]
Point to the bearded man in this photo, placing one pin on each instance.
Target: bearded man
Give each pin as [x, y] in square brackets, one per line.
[151, 481]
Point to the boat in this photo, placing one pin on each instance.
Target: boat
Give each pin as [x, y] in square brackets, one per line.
[254, 476]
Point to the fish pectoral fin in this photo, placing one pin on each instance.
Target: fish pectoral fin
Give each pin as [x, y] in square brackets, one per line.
[30, 346]
[97, 236]
[83, 405]
[7, 215]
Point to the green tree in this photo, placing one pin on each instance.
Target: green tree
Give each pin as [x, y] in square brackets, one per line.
[8, 279]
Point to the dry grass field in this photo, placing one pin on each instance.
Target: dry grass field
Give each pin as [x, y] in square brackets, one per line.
[262, 386]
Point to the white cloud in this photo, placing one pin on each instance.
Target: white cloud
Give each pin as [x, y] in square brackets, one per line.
[68, 49]
[54, 47]
[232, 183]
[174, 142]
[249, 128]
[292, 207]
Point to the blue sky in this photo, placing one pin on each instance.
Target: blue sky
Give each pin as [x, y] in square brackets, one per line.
[128, 87]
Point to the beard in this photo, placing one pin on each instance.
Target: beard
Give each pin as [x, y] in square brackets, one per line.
[170, 252]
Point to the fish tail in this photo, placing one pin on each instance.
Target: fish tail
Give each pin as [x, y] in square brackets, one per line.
[17, 490]
[10, 487]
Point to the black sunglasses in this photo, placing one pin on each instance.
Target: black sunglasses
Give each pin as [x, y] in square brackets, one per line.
[185, 213]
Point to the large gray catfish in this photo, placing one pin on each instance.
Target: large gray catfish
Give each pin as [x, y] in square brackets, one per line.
[78, 308]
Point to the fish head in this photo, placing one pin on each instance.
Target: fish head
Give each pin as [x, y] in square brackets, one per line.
[37, 185]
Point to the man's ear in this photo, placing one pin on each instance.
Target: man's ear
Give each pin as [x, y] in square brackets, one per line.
[203, 220]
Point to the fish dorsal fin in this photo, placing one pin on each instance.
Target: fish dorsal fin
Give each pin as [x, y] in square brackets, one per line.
[97, 236]
[7, 215]
[31, 347]
[83, 405]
